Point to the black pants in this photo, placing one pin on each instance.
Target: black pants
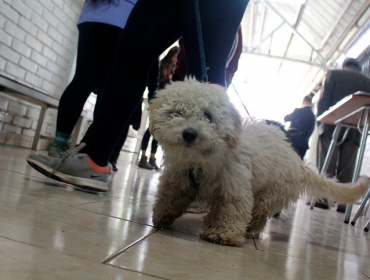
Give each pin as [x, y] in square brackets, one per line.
[152, 27]
[343, 160]
[145, 142]
[95, 57]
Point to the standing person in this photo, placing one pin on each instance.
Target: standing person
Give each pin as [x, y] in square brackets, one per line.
[167, 68]
[231, 64]
[302, 124]
[152, 27]
[339, 84]
[100, 25]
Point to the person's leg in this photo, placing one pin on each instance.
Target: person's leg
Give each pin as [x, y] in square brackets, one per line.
[220, 20]
[346, 162]
[150, 29]
[347, 157]
[94, 59]
[153, 151]
[154, 147]
[95, 56]
[117, 149]
[145, 141]
[144, 146]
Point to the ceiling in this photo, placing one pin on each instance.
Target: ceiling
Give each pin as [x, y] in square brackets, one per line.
[288, 46]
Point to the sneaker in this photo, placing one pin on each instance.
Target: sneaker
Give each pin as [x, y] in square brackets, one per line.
[341, 208]
[73, 169]
[322, 203]
[153, 163]
[143, 163]
[277, 215]
[57, 148]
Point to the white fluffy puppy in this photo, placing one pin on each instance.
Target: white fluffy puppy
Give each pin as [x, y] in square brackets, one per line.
[246, 172]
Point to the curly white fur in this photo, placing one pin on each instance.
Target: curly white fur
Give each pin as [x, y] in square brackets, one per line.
[246, 172]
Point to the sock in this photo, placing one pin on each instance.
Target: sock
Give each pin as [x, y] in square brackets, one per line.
[62, 138]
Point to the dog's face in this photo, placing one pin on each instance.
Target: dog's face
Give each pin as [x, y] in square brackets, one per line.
[194, 120]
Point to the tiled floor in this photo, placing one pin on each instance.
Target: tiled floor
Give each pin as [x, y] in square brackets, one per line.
[52, 231]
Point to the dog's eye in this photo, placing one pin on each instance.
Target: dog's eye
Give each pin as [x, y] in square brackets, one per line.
[176, 114]
[208, 116]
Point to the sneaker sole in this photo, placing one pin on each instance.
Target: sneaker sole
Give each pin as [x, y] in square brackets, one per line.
[61, 177]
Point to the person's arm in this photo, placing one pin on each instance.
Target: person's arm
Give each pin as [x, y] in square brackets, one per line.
[153, 79]
[291, 116]
[326, 95]
[233, 60]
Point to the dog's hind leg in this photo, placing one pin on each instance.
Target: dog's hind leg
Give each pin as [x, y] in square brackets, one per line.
[175, 194]
[260, 213]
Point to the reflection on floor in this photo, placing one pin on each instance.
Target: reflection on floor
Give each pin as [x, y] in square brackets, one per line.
[50, 230]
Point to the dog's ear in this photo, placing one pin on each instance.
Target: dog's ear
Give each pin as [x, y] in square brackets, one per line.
[233, 137]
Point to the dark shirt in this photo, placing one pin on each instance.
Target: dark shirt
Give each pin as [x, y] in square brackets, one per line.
[339, 84]
[302, 120]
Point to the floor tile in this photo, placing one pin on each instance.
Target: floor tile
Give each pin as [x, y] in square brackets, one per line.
[20, 261]
[50, 230]
[64, 229]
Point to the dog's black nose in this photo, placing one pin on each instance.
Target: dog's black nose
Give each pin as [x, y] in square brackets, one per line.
[189, 135]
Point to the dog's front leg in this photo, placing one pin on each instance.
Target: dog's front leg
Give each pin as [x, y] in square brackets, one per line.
[175, 194]
[230, 213]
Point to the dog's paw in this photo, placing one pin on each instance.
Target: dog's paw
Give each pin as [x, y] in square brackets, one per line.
[162, 220]
[223, 238]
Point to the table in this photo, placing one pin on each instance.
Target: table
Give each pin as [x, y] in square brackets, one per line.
[352, 112]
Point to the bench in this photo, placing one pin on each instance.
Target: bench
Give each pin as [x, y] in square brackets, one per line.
[30, 95]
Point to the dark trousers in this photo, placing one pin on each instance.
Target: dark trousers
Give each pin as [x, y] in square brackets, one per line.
[342, 163]
[95, 57]
[145, 142]
[152, 27]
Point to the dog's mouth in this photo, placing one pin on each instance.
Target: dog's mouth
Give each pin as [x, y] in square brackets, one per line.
[205, 152]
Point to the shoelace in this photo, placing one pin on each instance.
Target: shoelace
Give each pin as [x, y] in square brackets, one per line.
[64, 155]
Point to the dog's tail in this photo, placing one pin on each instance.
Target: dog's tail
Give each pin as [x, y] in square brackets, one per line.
[320, 186]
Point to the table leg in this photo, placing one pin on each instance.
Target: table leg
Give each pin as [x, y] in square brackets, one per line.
[329, 155]
[366, 228]
[359, 158]
[362, 207]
